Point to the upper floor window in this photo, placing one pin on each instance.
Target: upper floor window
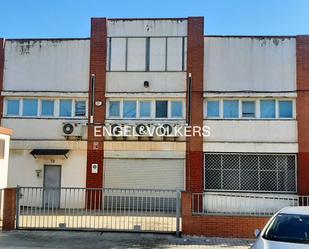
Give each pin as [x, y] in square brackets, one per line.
[12, 108]
[268, 108]
[145, 109]
[37, 107]
[129, 109]
[114, 109]
[80, 108]
[30, 107]
[65, 108]
[213, 109]
[246, 108]
[146, 54]
[47, 107]
[177, 109]
[285, 109]
[161, 109]
[230, 108]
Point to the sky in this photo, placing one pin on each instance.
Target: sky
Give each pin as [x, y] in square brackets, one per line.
[71, 18]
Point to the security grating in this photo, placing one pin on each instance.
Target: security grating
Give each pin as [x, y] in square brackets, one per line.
[250, 172]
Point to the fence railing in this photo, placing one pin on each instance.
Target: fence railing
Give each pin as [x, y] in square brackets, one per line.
[102, 209]
[243, 204]
[1, 206]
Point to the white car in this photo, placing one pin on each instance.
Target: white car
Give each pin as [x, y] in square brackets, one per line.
[287, 229]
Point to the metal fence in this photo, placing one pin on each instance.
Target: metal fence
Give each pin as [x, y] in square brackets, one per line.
[99, 209]
[1, 206]
[243, 204]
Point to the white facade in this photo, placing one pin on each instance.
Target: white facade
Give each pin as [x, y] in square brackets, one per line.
[45, 70]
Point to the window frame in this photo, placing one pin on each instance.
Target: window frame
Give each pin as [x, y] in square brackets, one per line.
[258, 109]
[152, 108]
[148, 56]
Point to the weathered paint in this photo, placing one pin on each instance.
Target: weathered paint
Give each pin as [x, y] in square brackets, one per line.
[140, 27]
[46, 65]
[134, 82]
[255, 64]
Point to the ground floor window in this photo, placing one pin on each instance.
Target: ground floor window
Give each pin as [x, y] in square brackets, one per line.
[250, 172]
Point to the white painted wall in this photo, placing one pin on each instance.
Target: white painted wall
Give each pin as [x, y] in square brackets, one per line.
[134, 81]
[255, 64]
[46, 65]
[276, 131]
[39, 128]
[22, 168]
[139, 27]
[4, 162]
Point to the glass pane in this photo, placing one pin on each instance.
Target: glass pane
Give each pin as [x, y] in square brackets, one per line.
[114, 108]
[30, 107]
[230, 108]
[177, 109]
[47, 108]
[65, 108]
[145, 107]
[129, 109]
[213, 109]
[12, 107]
[80, 108]
[285, 109]
[161, 109]
[248, 109]
[268, 109]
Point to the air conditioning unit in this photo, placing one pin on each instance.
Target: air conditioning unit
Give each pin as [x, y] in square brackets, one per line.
[70, 129]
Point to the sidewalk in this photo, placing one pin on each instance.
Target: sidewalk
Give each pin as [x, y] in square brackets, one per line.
[94, 240]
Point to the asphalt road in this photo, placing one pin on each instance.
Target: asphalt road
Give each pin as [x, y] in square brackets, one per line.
[94, 240]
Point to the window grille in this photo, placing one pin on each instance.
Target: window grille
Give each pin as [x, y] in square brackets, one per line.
[250, 172]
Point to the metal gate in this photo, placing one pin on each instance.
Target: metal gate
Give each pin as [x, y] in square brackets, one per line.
[138, 210]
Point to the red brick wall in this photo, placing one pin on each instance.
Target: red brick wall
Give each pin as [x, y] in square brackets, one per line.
[302, 112]
[95, 148]
[1, 74]
[195, 67]
[218, 226]
[9, 209]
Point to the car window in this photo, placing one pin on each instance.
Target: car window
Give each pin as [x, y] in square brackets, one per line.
[288, 228]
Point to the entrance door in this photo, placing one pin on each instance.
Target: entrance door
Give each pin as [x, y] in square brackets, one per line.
[52, 184]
